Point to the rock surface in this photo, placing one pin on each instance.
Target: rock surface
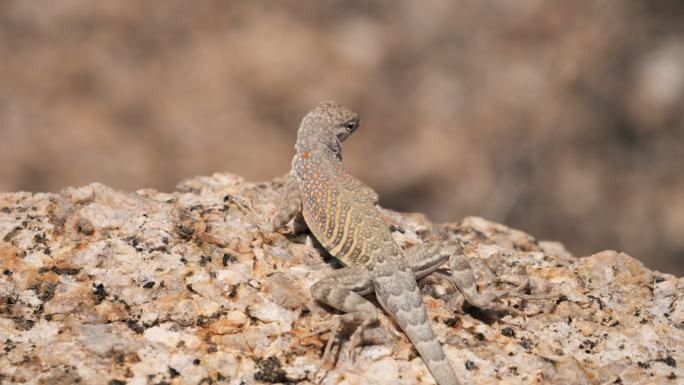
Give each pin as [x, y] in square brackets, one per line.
[99, 286]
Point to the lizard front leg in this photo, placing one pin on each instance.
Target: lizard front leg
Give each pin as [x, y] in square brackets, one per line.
[427, 257]
[343, 290]
[289, 204]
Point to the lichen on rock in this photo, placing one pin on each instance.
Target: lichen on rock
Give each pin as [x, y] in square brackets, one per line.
[99, 286]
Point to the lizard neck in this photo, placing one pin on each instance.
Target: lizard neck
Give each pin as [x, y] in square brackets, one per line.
[315, 157]
[315, 144]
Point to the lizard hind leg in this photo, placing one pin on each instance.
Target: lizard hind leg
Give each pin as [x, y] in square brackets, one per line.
[464, 279]
[428, 257]
[343, 290]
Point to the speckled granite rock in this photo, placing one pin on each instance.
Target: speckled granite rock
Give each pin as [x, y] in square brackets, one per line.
[104, 287]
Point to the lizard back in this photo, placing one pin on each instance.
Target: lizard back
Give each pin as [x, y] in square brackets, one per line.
[341, 217]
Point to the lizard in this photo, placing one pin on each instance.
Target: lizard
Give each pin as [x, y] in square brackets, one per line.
[341, 213]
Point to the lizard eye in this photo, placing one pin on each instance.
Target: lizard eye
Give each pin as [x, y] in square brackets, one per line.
[351, 125]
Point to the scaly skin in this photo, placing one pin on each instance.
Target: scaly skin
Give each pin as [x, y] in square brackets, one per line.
[340, 211]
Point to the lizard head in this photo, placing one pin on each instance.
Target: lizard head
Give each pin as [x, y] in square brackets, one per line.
[328, 124]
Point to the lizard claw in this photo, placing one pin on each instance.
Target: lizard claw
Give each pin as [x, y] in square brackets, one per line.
[357, 339]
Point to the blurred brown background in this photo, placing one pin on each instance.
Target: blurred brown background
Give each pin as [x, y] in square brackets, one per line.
[564, 119]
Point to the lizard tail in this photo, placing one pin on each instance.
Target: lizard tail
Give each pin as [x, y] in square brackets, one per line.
[399, 295]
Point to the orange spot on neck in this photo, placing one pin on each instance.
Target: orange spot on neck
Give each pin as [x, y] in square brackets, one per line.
[305, 154]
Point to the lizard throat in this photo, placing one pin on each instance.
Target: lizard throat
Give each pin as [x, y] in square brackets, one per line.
[320, 145]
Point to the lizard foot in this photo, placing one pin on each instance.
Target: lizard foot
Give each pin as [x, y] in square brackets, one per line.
[332, 326]
[328, 326]
[486, 300]
[521, 285]
[357, 338]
